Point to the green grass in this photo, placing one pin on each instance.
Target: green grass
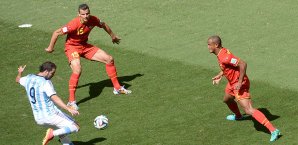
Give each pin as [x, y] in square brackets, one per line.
[164, 59]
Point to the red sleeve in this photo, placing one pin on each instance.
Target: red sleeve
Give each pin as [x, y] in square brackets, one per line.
[230, 59]
[69, 27]
[97, 22]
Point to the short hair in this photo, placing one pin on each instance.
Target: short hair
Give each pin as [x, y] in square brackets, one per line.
[47, 66]
[215, 39]
[83, 7]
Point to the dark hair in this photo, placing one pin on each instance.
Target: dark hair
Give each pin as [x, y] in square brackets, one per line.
[47, 66]
[83, 7]
[216, 39]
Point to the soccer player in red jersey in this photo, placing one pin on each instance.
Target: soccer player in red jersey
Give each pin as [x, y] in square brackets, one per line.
[237, 89]
[76, 46]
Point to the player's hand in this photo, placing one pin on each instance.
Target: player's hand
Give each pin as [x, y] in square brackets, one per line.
[49, 50]
[21, 68]
[216, 79]
[72, 111]
[115, 39]
[238, 86]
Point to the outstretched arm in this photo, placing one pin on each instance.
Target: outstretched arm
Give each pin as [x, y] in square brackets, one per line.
[20, 71]
[54, 38]
[115, 38]
[61, 104]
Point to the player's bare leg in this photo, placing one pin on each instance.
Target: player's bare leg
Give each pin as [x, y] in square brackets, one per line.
[75, 66]
[246, 104]
[103, 57]
[260, 117]
[229, 100]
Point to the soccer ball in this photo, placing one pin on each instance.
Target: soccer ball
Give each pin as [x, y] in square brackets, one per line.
[101, 122]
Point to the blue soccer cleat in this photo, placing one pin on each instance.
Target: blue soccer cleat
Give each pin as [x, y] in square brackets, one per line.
[274, 135]
[233, 117]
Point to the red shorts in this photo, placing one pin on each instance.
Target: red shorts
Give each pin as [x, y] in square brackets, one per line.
[242, 93]
[76, 51]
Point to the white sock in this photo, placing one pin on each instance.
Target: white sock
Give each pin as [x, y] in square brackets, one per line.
[65, 130]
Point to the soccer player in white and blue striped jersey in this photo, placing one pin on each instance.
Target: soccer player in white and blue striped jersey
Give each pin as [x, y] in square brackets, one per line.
[42, 97]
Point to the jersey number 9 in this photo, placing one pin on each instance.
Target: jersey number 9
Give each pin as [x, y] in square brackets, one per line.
[32, 95]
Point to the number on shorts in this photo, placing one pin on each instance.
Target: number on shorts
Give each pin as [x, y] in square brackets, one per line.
[75, 55]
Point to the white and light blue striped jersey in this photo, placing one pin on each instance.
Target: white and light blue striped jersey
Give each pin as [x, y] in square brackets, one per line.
[39, 92]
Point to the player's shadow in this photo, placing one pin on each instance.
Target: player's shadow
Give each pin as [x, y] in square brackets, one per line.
[90, 142]
[258, 126]
[95, 89]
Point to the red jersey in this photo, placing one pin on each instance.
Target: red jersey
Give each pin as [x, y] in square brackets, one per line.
[77, 33]
[228, 64]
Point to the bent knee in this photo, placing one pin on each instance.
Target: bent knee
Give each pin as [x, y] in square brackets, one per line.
[110, 60]
[78, 128]
[76, 69]
[75, 127]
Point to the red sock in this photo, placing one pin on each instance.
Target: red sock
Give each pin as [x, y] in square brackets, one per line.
[234, 108]
[112, 73]
[73, 83]
[261, 118]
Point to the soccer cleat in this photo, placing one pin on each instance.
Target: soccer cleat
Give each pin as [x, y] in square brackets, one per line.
[49, 136]
[233, 117]
[122, 90]
[274, 135]
[73, 105]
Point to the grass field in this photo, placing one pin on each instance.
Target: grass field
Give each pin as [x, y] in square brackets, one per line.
[163, 58]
